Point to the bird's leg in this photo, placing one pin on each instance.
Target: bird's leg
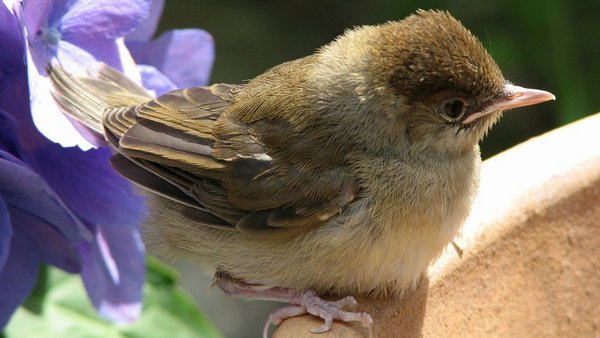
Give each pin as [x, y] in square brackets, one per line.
[302, 302]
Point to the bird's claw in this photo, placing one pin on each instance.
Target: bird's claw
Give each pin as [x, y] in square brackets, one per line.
[310, 302]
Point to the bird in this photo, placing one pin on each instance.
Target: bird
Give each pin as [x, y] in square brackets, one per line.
[346, 172]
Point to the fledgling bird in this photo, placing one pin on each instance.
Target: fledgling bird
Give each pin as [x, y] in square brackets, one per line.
[344, 172]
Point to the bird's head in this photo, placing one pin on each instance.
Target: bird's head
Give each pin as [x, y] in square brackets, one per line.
[425, 80]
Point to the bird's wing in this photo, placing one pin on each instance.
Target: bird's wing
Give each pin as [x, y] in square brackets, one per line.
[181, 147]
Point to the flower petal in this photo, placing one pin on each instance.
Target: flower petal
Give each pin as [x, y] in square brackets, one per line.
[10, 4]
[55, 248]
[155, 81]
[102, 19]
[79, 58]
[114, 272]
[83, 56]
[46, 115]
[146, 29]
[23, 189]
[185, 55]
[10, 38]
[86, 182]
[14, 92]
[18, 276]
[128, 65]
[78, 51]
[113, 269]
[5, 233]
[8, 134]
[38, 14]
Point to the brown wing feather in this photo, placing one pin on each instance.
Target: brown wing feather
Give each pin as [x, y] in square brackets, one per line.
[224, 165]
[231, 155]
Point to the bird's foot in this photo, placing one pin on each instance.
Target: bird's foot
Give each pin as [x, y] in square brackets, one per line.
[310, 302]
[302, 303]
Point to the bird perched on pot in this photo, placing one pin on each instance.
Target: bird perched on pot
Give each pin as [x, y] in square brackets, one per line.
[344, 172]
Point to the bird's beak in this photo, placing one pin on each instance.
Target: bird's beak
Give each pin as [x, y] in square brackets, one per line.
[513, 97]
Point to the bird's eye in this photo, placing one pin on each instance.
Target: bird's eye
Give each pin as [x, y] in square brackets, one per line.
[453, 109]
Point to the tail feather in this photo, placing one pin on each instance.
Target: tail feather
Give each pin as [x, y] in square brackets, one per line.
[88, 98]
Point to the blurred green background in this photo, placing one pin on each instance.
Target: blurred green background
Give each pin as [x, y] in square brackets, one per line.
[552, 45]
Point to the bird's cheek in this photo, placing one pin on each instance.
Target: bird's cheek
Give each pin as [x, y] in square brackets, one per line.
[485, 123]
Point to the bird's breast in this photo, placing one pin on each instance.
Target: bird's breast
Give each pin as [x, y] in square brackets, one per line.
[410, 212]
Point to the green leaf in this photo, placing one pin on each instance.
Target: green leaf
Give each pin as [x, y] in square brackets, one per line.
[158, 273]
[59, 307]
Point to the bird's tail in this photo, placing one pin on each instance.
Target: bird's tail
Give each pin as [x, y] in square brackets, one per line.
[87, 98]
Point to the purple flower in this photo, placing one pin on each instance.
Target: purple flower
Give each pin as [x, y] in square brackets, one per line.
[78, 33]
[35, 225]
[63, 206]
[165, 54]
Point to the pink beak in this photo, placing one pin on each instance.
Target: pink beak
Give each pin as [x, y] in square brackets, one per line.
[514, 96]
